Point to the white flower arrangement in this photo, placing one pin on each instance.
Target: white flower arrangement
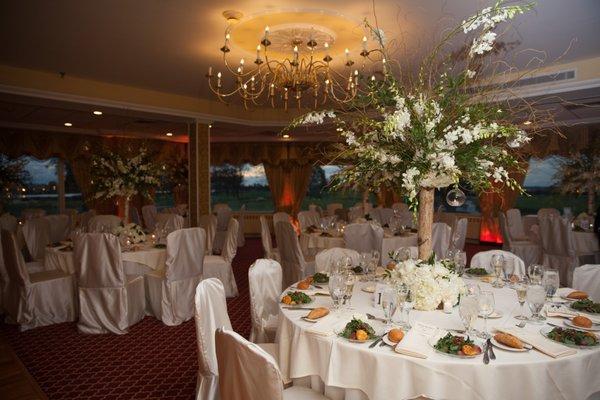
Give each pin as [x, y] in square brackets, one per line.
[132, 231]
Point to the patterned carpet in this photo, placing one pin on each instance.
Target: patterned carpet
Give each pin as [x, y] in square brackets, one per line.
[152, 361]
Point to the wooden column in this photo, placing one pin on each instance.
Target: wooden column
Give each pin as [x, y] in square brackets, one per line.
[60, 185]
[199, 171]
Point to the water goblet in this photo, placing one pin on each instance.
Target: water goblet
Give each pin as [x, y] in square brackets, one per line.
[535, 273]
[468, 311]
[508, 269]
[402, 294]
[337, 289]
[404, 254]
[486, 308]
[389, 303]
[497, 264]
[551, 282]
[536, 297]
[375, 258]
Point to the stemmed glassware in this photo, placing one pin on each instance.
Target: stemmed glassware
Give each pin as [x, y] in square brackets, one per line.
[460, 260]
[349, 281]
[404, 254]
[389, 303]
[486, 308]
[375, 258]
[536, 297]
[551, 282]
[521, 289]
[337, 289]
[468, 310]
[497, 264]
[508, 269]
[402, 295]
[535, 272]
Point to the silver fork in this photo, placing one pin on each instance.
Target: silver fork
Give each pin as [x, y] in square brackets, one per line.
[371, 316]
[521, 324]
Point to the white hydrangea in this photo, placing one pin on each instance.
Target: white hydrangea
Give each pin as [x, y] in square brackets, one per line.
[409, 181]
[317, 117]
[482, 44]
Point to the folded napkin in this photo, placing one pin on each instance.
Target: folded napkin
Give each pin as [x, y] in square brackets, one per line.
[567, 312]
[414, 343]
[564, 291]
[327, 325]
[546, 346]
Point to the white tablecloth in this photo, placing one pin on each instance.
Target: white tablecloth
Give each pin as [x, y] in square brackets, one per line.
[380, 373]
[146, 257]
[312, 243]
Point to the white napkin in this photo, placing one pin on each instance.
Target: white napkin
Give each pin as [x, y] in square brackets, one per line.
[327, 325]
[414, 343]
[567, 312]
[546, 346]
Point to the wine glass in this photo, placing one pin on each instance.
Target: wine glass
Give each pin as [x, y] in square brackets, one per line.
[497, 264]
[389, 303]
[365, 259]
[468, 311]
[473, 289]
[407, 306]
[521, 289]
[536, 297]
[486, 308]
[551, 282]
[460, 259]
[349, 281]
[404, 254]
[337, 289]
[536, 272]
[402, 294]
[508, 269]
[375, 258]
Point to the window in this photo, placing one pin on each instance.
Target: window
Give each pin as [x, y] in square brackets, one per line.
[320, 194]
[237, 185]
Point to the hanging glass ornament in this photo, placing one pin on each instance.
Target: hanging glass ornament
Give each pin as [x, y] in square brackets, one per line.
[456, 197]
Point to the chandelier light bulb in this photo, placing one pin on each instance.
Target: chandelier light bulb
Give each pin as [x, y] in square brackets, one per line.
[258, 48]
[267, 30]
[227, 36]
[219, 75]
[242, 61]
[326, 45]
[295, 49]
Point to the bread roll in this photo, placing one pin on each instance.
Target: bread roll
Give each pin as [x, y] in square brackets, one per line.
[395, 335]
[578, 295]
[508, 340]
[303, 285]
[582, 321]
[317, 313]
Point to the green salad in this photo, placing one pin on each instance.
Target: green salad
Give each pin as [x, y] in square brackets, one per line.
[293, 298]
[586, 305]
[358, 330]
[573, 337]
[457, 345]
[320, 277]
[477, 271]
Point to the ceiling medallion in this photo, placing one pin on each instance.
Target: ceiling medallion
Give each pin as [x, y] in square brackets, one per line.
[293, 62]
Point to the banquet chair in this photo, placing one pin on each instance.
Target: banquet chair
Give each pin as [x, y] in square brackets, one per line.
[527, 250]
[367, 206]
[280, 217]
[316, 208]
[558, 247]
[587, 278]
[224, 214]
[266, 239]
[440, 238]
[483, 259]
[459, 234]
[103, 223]
[220, 206]
[208, 222]
[399, 207]
[170, 292]
[405, 218]
[383, 215]
[29, 213]
[135, 216]
[169, 222]
[36, 232]
[149, 213]
[354, 213]
[331, 207]
[308, 218]
[295, 266]
[264, 279]
[547, 212]
[242, 221]
[109, 300]
[83, 219]
[60, 227]
[8, 222]
[35, 299]
[248, 372]
[515, 225]
[326, 259]
[220, 266]
[363, 237]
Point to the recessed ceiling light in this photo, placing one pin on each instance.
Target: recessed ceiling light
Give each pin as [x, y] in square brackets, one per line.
[96, 112]
[339, 129]
[527, 123]
[285, 136]
[68, 124]
[210, 126]
[169, 134]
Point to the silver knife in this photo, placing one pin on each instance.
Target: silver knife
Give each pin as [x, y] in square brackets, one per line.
[491, 349]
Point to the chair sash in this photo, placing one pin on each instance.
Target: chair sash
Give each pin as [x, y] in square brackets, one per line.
[264, 279]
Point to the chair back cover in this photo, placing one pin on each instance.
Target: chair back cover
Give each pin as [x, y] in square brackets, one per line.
[363, 237]
[264, 279]
[459, 234]
[102, 294]
[36, 232]
[210, 315]
[185, 254]
[208, 222]
[326, 259]
[558, 247]
[135, 216]
[547, 212]
[246, 372]
[308, 218]
[405, 218]
[169, 222]
[60, 226]
[515, 224]
[280, 217]
[16, 271]
[103, 223]
[400, 207]
[8, 222]
[316, 208]
[355, 213]
[383, 215]
[483, 259]
[220, 206]
[265, 237]
[223, 216]
[29, 213]
[231, 241]
[331, 207]
[440, 236]
[83, 220]
[292, 259]
[587, 278]
[149, 213]
[242, 221]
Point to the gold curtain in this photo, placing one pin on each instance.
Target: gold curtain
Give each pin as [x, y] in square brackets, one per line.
[271, 153]
[288, 183]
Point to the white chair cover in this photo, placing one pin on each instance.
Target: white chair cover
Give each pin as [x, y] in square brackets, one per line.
[405, 218]
[587, 278]
[223, 213]
[169, 222]
[149, 213]
[515, 225]
[8, 222]
[220, 266]
[355, 213]
[558, 247]
[83, 220]
[331, 207]
[483, 259]
[295, 267]
[242, 222]
[60, 227]
[547, 212]
[170, 295]
[316, 208]
[326, 259]
[267, 243]
[308, 218]
[400, 207]
[210, 314]
[109, 301]
[248, 372]
[208, 222]
[29, 213]
[363, 237]
[36, 232]
[135, 216]
[459, 234]
[383, 215]
[280, 217]
[440, 236]
[264, 279]
[220, 206]
[35, 299]
[527, 250]
[106, 223]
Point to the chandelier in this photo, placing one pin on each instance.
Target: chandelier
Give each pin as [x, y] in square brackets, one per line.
[299, 72]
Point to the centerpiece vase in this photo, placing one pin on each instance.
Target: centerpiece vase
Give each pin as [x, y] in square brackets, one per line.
[126, 210]
[426, 199]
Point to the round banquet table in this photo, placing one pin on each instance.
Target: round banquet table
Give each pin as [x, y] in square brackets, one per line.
[312, 243]
[345, 370]
[135, 262]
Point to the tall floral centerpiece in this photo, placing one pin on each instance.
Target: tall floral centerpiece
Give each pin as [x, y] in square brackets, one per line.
[443, 127]
[114, 175]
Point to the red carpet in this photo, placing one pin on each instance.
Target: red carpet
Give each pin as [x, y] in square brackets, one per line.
[152, 361]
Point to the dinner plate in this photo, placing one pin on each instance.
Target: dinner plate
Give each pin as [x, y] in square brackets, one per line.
[432, 342]
[547, 329]
[508, 348]
[368, 289]
[310, 319]
[595, 327]
[312, 299]
[387, 340]
[585, 312]
[495, 315]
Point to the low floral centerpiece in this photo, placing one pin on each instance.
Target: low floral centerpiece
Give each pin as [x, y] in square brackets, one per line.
[133, 232]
